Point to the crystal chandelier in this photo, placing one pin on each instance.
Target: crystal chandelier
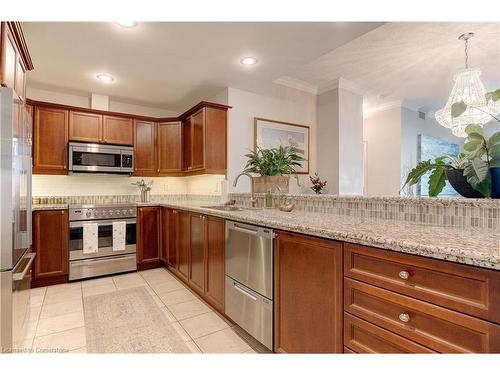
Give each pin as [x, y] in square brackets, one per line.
[469, 89]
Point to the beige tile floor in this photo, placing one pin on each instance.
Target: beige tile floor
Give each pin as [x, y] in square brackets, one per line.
[56, 317]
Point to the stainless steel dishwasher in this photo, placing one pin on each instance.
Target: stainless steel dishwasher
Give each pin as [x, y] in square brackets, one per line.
[249, 279]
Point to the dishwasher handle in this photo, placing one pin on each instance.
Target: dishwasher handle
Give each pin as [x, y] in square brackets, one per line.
[249, 229]
[243, 291]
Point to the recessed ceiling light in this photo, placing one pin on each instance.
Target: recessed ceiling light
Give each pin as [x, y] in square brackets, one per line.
[103, 77]
[127, 24]
[248, 61]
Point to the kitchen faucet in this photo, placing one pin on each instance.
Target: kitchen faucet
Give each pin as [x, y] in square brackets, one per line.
[252, 195]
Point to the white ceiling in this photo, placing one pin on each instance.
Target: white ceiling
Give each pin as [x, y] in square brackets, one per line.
[414, 62]
[173, 65]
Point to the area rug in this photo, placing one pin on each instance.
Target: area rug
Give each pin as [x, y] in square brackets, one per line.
[129, 321]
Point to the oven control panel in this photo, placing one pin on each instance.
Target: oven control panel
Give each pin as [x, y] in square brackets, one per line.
[101, 212]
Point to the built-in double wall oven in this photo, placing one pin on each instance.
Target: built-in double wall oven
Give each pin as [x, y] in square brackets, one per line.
[105, 260]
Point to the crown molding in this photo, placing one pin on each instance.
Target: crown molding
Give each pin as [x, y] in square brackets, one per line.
[297, 84]
[342, 83]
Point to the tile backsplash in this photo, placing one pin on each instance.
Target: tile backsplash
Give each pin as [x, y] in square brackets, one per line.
[108, 184]
[453, 212]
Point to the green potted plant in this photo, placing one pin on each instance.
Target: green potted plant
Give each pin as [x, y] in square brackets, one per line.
[274, 167]
[475, 173]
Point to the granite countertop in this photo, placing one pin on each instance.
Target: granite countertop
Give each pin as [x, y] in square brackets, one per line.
[49, 206]
[473, 246]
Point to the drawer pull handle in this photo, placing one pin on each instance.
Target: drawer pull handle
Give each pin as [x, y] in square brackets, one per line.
[405, 318]
[404, 275]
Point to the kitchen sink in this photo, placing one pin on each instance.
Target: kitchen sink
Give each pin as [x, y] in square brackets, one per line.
[224, 208]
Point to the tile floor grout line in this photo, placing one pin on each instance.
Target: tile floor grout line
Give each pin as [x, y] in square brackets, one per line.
[55, 333]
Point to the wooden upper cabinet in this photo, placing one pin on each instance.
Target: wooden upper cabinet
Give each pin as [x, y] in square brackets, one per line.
[20, 85]
[144, 148]
[14, 58]
[215, 257]
[8, 58]
[148, 237]
[215, 140]
[169, 147]
[85, 127]
[50, 141]
[205, 140]
[187, 144]
[308, 294]
[50, 242]
[117, 130]
[198, 140]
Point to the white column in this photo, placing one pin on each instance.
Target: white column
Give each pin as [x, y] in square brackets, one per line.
[340, 139]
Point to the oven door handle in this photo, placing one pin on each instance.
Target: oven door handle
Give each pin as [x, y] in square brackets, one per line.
[20, 275]
[79, 224]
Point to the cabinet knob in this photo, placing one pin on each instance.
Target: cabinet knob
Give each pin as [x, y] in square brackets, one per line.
[405, 318]
[404, 275]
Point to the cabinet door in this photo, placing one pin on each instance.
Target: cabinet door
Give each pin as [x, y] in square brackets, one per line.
[168, 237]
[8, 58]
[197, 252]
[187, 144]
[118, 130]
[50, 147]
[144, 148]
[148, 237]
[215, 140]
[198, 140]
[50, 240]
[308, 294]
[85, 127]
[215, 242]
[20, 85]
[169, 147]
[182, 244]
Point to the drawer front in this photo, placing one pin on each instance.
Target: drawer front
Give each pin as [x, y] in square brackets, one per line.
[363, 337]
[470, 290]
[432, 326]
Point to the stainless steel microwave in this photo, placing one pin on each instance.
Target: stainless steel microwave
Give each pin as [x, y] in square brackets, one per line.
[93, 157]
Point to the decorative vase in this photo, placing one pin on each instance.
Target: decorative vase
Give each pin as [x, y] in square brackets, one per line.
[263, 183]
[495, 182]
[459, 182]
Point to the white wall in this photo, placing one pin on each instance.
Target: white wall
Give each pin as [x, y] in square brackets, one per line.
[392, 146]
[350, 143]
[282, 104]
[328, 139]
[382, 134]
[84, 101]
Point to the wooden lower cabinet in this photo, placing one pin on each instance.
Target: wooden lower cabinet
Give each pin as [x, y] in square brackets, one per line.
[148, 237]
[167, 237]
[181, 234]
[215, 260]
[363, 337]
[197, 252]
[308, 294]
[437, 328]
[50, 242]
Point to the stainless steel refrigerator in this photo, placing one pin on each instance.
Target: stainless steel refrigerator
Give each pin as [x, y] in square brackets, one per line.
[15, 220]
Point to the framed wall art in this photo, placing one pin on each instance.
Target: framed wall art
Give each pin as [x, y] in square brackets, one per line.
[272, 134]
